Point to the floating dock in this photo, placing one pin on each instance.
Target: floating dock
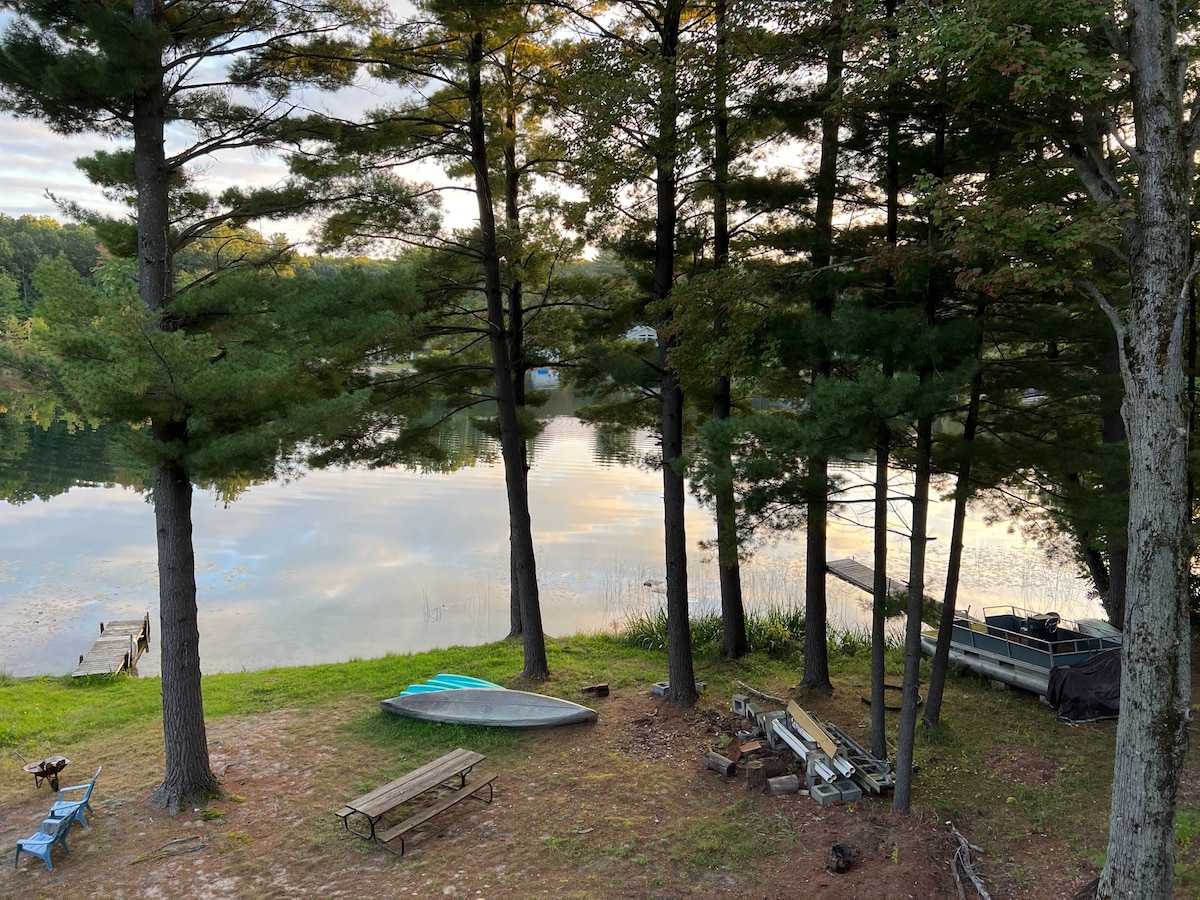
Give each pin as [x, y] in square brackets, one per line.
[117, 649]
[862, 577]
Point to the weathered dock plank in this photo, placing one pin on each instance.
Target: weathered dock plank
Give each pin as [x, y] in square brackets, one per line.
[862, 577]
[117, 649]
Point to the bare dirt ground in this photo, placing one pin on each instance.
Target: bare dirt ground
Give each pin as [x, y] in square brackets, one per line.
[603, 810]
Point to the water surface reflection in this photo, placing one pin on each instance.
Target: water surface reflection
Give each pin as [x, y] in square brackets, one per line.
[344, 564]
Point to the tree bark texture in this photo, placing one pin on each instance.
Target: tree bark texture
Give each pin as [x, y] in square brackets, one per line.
[734, 641]
[524, 566]
[1156, 666]
[879, 592]
[816, 632]
[682, 690]
[962, 493]
[883, 432]
[902, 793]
[515, 327]
[733, 611]
[816, 638]
[188, 777]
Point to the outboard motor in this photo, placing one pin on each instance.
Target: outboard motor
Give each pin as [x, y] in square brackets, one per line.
[1043, 625]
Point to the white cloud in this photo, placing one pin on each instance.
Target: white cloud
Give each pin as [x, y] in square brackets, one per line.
[35, 162]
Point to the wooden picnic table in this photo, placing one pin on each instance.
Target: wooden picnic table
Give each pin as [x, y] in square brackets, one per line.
[367, 811]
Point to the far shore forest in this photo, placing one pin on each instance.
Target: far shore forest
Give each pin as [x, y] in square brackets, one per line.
[954, 239]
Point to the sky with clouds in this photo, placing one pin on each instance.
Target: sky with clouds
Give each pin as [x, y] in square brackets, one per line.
[37, 165]
[34, 162]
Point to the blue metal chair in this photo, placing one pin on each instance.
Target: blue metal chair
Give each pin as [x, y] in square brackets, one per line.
[53, 831]
[74, 806]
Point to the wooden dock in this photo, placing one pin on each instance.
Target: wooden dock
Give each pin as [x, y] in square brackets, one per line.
[117, 648]
[862, 577]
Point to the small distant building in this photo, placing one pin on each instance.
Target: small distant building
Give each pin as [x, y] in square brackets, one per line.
[642, 333]
[544, 377]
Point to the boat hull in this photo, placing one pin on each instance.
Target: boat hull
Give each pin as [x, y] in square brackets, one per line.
[1020, 648]
[999, 668]
[489, 706]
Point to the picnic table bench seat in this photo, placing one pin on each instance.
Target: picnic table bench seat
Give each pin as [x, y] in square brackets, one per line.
[365, 812]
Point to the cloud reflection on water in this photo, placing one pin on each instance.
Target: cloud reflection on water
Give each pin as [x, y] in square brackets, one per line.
[362, 563]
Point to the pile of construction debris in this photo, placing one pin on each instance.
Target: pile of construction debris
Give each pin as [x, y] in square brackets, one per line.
[829, 765]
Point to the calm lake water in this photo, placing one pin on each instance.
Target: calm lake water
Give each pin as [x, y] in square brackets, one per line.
[356, 564]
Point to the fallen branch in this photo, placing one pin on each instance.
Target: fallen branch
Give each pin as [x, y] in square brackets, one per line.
[962, 856]
[760, 695]
[962, 895]
[173, 848]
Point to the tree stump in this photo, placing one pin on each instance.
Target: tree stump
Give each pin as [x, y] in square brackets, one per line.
[756, 776]
[784, 784]
[719, 763]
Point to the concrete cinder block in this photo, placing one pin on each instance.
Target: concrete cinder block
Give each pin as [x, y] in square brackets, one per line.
[660, 689]
[753, 710]
[765, 722]
[848, 790]
[739, 704]
[817, 768]
[825, 794]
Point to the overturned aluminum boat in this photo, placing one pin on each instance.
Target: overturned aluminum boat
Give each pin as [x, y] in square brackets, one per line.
[1019, 647]
[489, 706]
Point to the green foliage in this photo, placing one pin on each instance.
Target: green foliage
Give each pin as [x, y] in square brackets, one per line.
[288, 348]
[1187, 864]
[24, 243]
[36, 463]
[776, 632]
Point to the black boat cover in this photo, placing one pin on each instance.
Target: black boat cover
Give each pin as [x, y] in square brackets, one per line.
[1088, 691]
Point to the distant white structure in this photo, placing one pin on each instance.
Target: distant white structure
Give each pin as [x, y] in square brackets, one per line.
[544, 377]
[641, 333]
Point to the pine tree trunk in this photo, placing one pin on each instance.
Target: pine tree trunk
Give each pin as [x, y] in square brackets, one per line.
[816, 633]
[883, 434]
[516, 308]
[524, 566]
[188, 777]
[734, 643]
[879, 590]
[680, 672]
[816, 652]
[906, 740]
[1152, 734]
[962, 493]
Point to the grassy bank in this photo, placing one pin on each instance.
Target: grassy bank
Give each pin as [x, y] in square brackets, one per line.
[1032, 792]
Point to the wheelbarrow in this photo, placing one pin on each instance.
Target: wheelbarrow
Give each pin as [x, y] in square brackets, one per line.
[47, 770]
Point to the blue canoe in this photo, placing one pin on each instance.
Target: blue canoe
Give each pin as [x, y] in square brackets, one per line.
[448, 682]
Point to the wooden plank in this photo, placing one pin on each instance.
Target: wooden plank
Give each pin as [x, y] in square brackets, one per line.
[453, 764]
[118, 647]
[862, 577]
[813, 727]
[426, 814]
